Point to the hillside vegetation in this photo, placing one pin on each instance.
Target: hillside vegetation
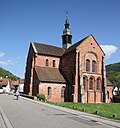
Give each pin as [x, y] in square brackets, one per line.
[4, 73]
[113, 73]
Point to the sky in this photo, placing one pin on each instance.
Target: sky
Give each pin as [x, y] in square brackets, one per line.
[25, 21]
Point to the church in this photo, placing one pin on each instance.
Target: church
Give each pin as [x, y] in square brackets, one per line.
[73, 73]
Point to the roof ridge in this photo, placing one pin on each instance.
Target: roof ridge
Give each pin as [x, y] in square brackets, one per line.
[47, 49]
[47, 45]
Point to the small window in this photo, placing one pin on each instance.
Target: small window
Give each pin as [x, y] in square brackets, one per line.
[91, 83]
[108, 94]
[85, 83]
[62, 91]
[87, 65]
[49, 91]
[93, 66]
[98, 84]
[53, 63]
[47, 62]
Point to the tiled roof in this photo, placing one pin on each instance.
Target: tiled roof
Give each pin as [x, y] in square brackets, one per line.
[21, 81]
[4, 81]
[46, 74]
[108, 82]
[14, 83]
[48, 49]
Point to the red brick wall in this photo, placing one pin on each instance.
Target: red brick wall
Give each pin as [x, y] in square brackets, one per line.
[89, 49]
[55, 91]
[67, 67]
[29, 71]
[40, 60]
[110, 90]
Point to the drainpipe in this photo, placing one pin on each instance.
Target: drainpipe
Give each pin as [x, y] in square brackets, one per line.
[76, 79]
[81, 92]
[104, 81]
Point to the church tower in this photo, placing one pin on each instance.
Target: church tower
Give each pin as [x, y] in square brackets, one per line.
[66, 37]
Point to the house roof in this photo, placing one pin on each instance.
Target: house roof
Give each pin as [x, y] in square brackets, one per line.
[108, 82]
[21, 81]
[47, 49]
[4, 81]
[14, 83]
[46, 74]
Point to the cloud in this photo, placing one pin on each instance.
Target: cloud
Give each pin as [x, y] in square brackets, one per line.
[2, 54]
[7, 62]
[109, 50]
[3, 63]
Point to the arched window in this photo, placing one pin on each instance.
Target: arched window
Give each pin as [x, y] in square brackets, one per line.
[53, 63]
[62, 91]
[98, 84]
[85, 82]
[49, 91]
[91, 83]
[93, 66]
[47, 62]
[87, 65]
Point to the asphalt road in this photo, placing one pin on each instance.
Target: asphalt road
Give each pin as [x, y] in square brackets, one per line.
[25, 113]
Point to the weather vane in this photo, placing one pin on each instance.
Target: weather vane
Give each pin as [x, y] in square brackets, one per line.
[66, 13]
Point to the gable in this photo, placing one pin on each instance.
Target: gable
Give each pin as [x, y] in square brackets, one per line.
[86, 39]
[90, 44]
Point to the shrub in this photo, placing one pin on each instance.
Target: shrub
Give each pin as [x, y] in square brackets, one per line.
[116, 99]
[41, 97]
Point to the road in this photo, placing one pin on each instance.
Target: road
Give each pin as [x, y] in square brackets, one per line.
[25, 113]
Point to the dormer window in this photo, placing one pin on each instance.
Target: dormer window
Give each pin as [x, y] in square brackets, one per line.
[47, 62]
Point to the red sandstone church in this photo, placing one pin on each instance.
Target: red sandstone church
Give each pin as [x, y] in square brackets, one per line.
[73, 73]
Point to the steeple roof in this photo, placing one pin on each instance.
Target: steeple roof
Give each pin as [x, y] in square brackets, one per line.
[66, 31]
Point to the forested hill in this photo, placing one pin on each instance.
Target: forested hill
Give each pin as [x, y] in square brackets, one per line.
[4, 73]
[113, 73]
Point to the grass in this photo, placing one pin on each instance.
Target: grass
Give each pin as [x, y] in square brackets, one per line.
[109, 110]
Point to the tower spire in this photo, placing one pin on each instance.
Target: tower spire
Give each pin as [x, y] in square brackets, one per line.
[66, 37]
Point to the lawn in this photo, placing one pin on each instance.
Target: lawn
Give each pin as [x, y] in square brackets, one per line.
[109, 110]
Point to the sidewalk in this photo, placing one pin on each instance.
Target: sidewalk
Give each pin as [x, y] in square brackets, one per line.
[96, 118]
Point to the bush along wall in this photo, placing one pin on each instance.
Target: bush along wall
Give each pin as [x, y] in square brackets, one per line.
[41, 97]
